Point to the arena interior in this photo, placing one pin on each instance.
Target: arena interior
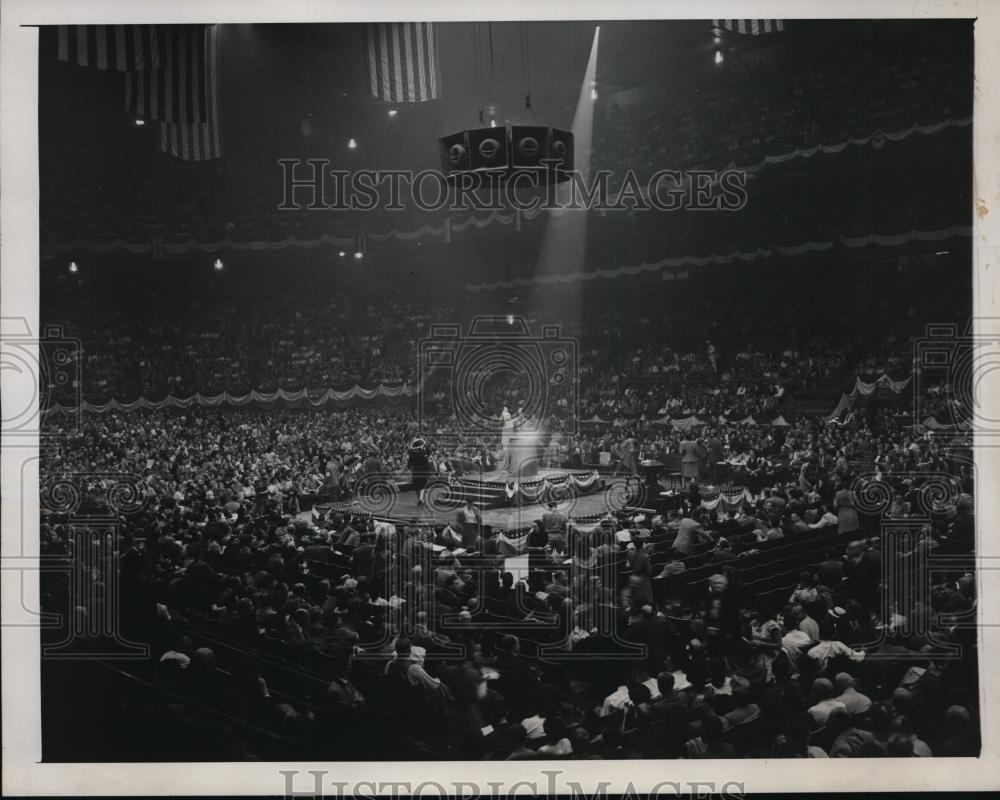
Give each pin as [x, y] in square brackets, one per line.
[686, 486]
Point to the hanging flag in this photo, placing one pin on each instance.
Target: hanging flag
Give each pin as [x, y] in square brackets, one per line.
[109, 47]
[753, 27]
[191, 141]
[447, 230]
[401, 61]
[177, 91]
[197, 138]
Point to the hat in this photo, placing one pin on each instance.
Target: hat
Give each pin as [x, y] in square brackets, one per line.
[173, 655]
[416, 444]
[534, 727]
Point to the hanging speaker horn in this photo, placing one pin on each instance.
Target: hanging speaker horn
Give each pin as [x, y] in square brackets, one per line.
[455, 153]
[502, 151]
[489, 148]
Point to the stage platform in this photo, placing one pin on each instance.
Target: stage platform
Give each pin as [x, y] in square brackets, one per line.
[499, 489]
[503, 503]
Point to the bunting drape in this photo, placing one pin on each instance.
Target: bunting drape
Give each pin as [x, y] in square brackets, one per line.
[537, 491]
[865, 389]
[304, 397]
[444, 231]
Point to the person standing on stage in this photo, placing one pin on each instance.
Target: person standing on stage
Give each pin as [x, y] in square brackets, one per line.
[630, 453]
[716, 454]
[691, 452]
[507, 440]
[420, 468]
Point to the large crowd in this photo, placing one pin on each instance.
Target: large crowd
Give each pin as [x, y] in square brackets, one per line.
[762, 625]
[238, 335]
[700, 128]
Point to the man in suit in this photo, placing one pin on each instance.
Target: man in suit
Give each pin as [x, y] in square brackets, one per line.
[716, 453]
[420, 468]
[372, 465]
[469, 524]
[630, 454]
[319, 550]
[689, 533]
[653, 631]
[554, 522]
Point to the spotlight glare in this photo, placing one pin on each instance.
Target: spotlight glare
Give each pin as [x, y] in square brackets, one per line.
[352, 143]
[718, 56]
[139, 123]
[342, 253]
[510, 319]
[73, 267]
[593, 94]
[358, 254]
[392, 112]
[218, 265]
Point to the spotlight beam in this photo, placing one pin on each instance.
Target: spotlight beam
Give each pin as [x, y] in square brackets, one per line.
[564, 243]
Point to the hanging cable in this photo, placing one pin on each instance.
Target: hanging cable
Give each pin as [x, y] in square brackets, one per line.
[526, 69]
[489, 28]
[478, 67]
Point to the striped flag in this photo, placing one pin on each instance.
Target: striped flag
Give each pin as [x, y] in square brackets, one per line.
[401, 60]
[109, 47]
[184, 95]
[179, 90]
[191, 141]
[754, 27]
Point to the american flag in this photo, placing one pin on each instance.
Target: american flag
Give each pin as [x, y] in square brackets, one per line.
[754, 27]
[109, 47]
[191, 141]
[401, 61]
[179, 90]
[183, 96]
